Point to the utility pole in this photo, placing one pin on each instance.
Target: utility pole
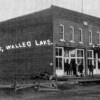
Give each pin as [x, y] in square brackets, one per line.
[86, 49]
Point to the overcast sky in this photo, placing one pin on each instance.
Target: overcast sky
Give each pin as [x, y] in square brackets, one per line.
[13, 8]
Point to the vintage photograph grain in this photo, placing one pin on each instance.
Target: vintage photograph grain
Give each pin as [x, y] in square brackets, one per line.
[49, 50]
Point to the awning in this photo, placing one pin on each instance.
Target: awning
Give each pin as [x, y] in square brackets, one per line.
[70, 45]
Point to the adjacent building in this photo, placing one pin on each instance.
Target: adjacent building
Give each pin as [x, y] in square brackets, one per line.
[43, 41]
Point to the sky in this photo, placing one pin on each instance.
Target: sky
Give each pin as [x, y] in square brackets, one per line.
[14, 8]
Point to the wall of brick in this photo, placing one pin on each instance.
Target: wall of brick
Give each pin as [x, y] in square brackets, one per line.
[67, 31]
[26, 61]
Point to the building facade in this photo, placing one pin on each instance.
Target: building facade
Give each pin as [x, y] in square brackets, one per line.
[45, 40]
[76, 37]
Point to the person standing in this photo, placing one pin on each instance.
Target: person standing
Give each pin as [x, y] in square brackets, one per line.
[74, 65]
[91, 69]
[67, 67]
[80, 69]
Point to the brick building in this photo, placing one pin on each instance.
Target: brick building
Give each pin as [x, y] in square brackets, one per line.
[30, 44]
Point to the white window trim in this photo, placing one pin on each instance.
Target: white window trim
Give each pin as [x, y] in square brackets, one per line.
[62, 52]
[81, 41]
[61, 25]
[90, 37]
[73, 32]
[61, 56]
[92, 54]
[80, 50]
[99, 37]
[91, 58]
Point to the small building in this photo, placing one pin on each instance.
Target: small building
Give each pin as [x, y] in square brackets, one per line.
[43, 41]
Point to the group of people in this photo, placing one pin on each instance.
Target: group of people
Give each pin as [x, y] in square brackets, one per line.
[70, 68]
[77, 69]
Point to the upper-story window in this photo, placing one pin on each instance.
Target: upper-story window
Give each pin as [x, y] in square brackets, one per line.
[90, 37]
[80, 35]
[72, 33]
[61, 33]
[98, 37]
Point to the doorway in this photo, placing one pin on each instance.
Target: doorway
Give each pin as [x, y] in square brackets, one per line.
[97, 64]
[75, 55]
[70, 55]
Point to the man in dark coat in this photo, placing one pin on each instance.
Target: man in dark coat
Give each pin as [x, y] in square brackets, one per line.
[91, 68]
[80, 69]
[74, 65]
[67, 67]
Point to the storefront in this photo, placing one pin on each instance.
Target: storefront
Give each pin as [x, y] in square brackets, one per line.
[64, 54]
[97, 61]
[44, 41]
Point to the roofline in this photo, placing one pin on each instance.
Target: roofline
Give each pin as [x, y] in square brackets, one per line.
[50, 10]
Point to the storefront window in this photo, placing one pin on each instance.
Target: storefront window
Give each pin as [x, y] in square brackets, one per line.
[59, 57]
[79, 53]
[60, 63]
[79, 61]
[99, 64]
[57, 65]
[66, 53]
[58, 51]
[89, 61]
[89, 54]
[72, 53]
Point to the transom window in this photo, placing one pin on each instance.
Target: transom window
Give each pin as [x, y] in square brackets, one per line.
[80, 53]
[90, 54]
[59, 51]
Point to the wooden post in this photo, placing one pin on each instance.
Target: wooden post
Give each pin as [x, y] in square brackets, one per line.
[86, 61]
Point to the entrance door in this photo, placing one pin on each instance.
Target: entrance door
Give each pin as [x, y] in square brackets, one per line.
[90, 56]
[80, 60]
[97, 64]
[75, 55]
[73, 58]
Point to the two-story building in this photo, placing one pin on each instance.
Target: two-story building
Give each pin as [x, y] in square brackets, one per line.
[43, 41]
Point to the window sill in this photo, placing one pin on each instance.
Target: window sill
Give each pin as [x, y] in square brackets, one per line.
[72, 41]
[81, 42]
[90, 43]
[62, 40]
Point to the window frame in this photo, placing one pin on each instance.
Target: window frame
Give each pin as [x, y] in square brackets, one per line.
[72, 34]
[60, 57]
[61, 32]
[91, 58]
[90, 37]
[99, 37]
[81, 35]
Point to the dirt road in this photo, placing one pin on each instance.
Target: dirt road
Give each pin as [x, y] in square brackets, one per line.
[78, 93]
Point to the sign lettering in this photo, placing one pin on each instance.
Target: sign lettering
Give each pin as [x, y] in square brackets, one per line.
[28, 44]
